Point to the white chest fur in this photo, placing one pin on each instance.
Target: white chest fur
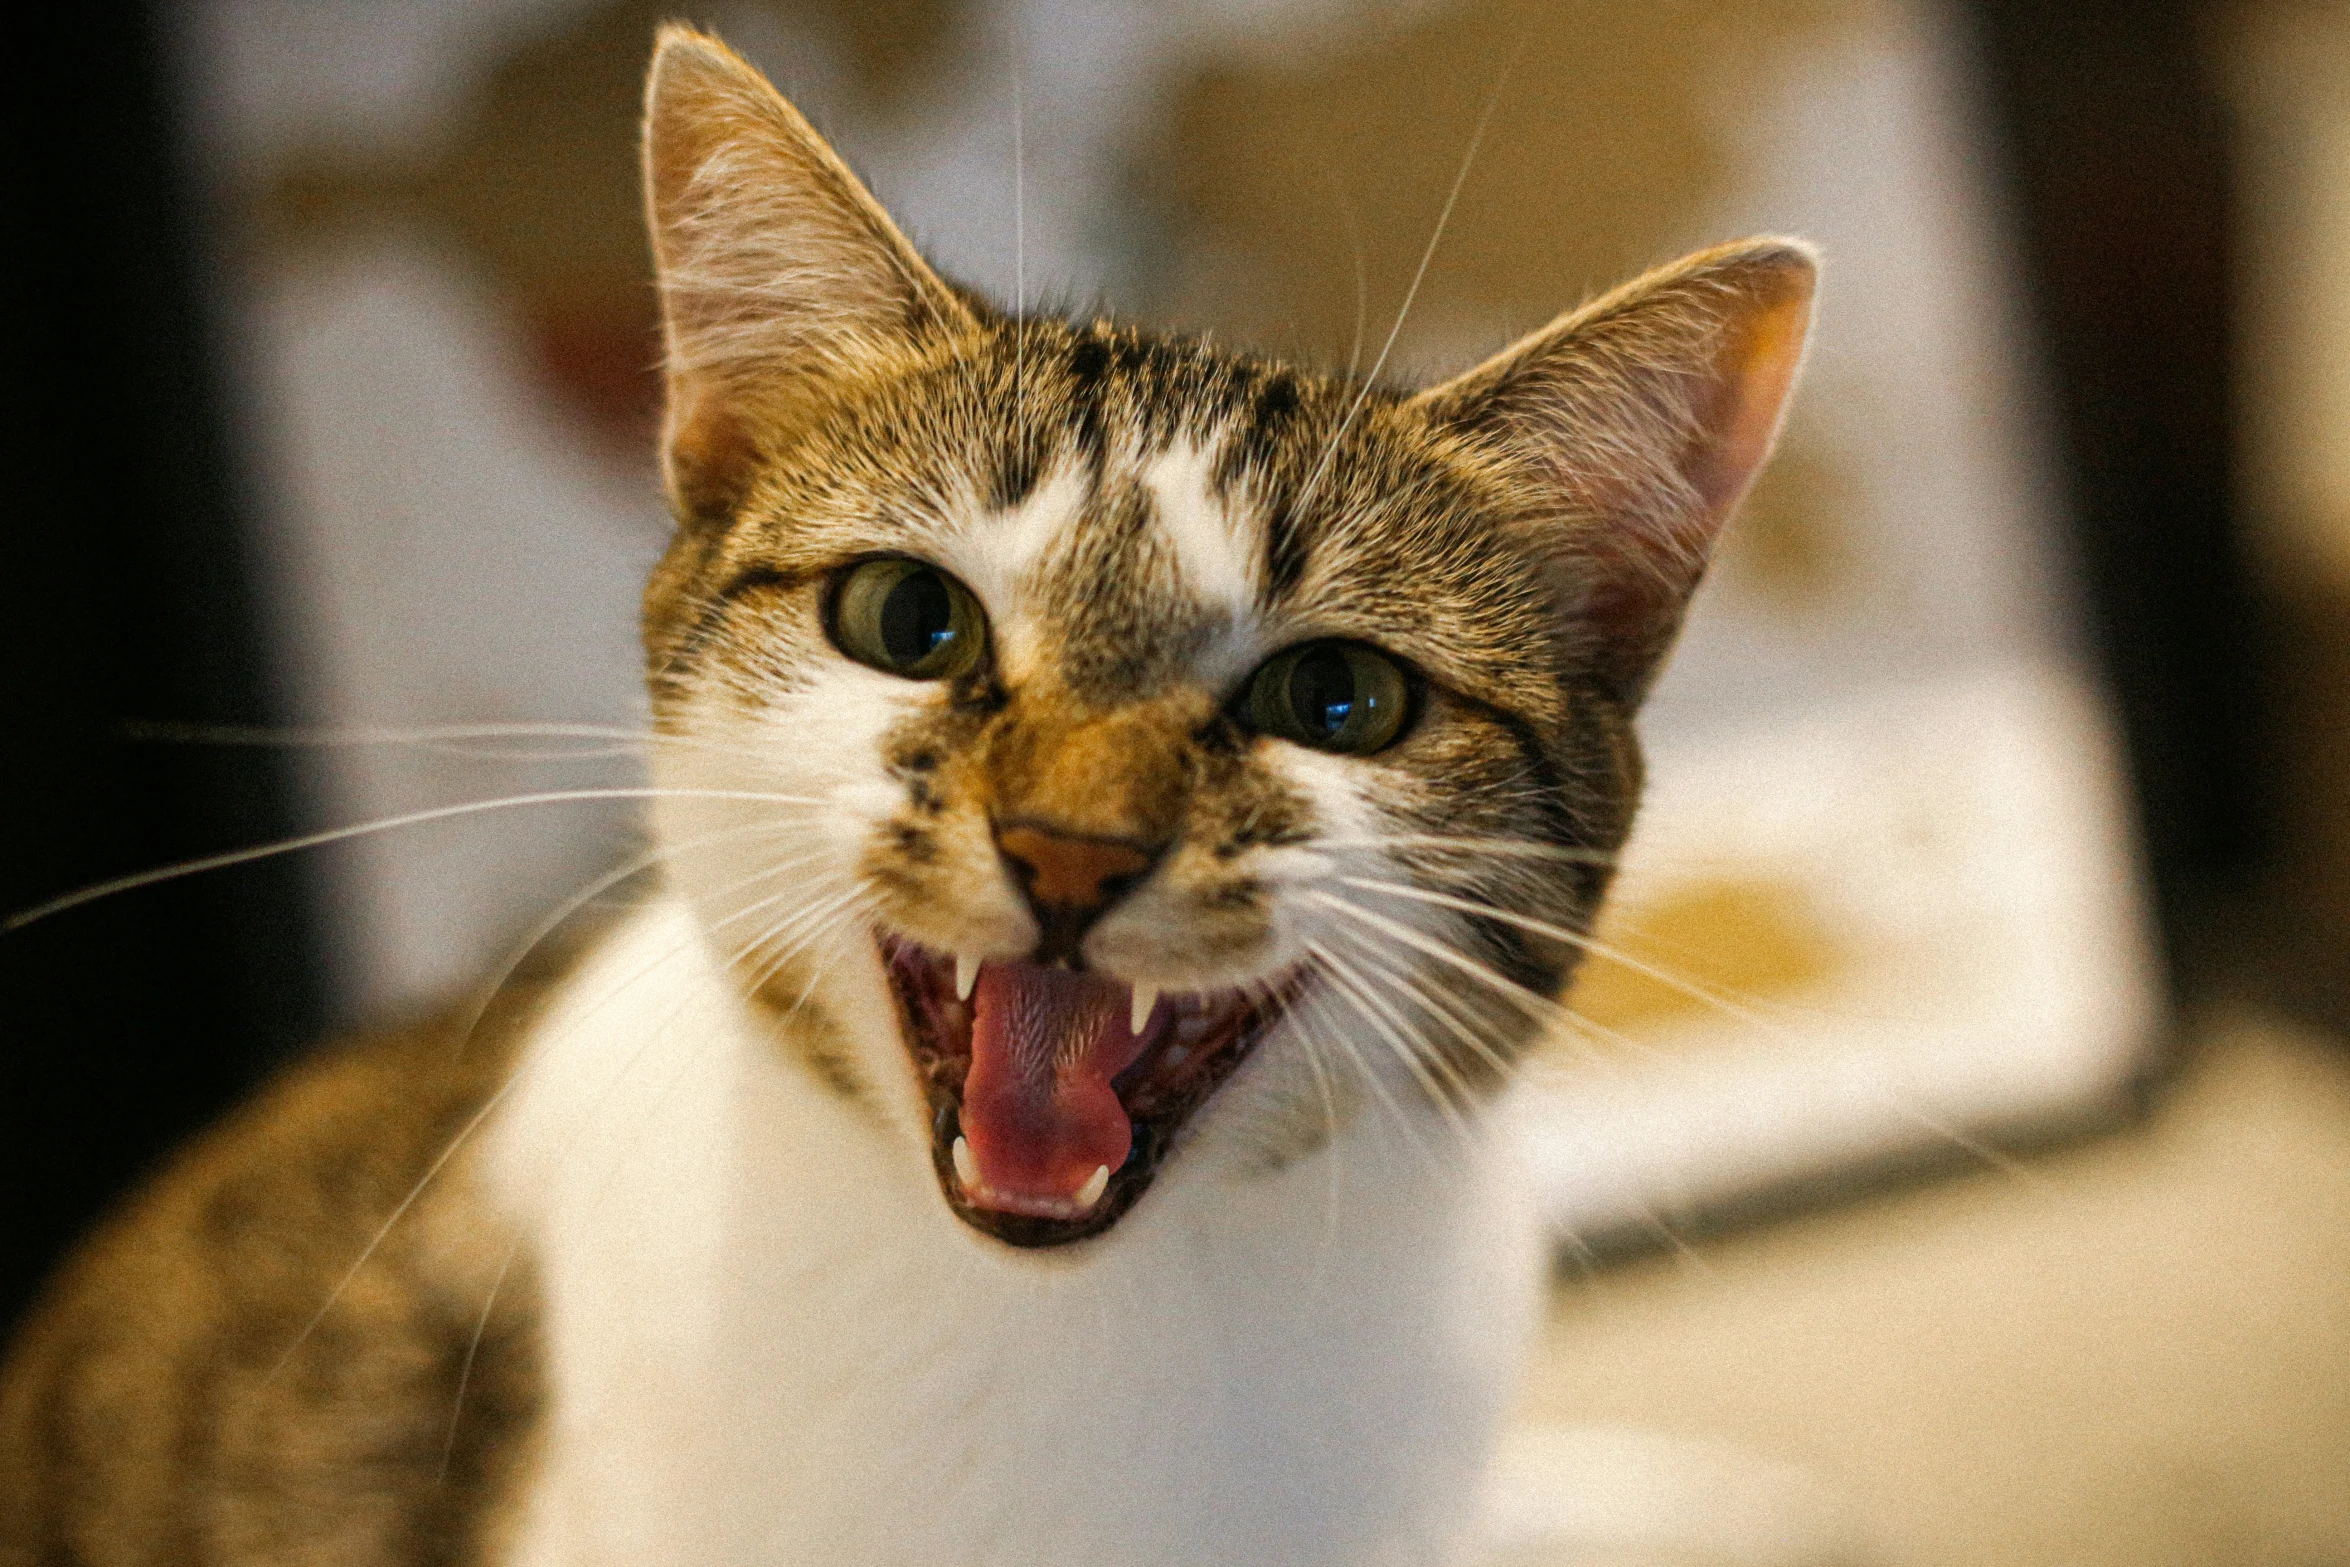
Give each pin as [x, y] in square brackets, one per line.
[770, 1342]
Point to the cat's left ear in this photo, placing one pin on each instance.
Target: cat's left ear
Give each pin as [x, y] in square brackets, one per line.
[780, 275]
[1639, 422]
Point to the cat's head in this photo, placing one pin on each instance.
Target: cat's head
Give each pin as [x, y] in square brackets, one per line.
[1123, 761]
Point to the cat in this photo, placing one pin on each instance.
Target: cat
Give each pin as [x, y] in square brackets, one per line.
[1127, 808]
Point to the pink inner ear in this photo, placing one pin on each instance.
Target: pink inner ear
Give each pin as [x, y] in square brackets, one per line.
[1648, 548]
[1753, 377]
[712, 454]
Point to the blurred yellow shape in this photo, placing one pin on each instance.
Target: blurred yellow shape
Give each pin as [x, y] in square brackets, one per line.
[1741, 938]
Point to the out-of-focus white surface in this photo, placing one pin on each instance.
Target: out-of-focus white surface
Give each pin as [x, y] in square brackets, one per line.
[1918, 395]
[454, 553]
[1954, 851]
[1603, 1496]
[2134, 1353]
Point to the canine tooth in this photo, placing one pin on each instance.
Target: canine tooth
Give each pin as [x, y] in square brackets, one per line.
[966, 975]
[1095, 1184]
[966, 1165]
[1145, 998]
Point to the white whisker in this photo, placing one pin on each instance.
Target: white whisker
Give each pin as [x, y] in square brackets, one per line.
[1594, 946]
[1506, 848]
[438, 813]
[1419, 274]
[1393, 1032]
[547, 926]
[538, 1051]
[1541, 1008]
[1371, 1077]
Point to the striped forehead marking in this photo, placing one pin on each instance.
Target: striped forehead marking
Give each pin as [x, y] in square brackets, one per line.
[1145, 547]
[1217, 561]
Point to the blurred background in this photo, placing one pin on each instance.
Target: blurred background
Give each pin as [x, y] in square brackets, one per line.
[1965, 1125]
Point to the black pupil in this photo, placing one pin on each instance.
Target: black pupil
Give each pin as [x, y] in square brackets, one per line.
[1322, 692]
[917, 618]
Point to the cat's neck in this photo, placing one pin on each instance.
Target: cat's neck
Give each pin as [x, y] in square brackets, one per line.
[769, 1340]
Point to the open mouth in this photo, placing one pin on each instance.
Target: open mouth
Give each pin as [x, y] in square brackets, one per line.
[1055, 1095]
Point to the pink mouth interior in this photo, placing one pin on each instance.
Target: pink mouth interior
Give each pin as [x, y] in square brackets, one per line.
[1039, 1107]
[1040, 1083]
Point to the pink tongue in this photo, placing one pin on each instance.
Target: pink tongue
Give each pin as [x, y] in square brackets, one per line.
[1038, 1107]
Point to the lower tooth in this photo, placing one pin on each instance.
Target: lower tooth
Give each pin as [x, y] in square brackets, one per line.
[966, 1166]
[1091, 1192]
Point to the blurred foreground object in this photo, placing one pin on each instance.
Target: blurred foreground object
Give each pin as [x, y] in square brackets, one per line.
[127, 596]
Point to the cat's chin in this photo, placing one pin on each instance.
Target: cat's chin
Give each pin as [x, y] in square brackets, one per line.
[1052, 1105]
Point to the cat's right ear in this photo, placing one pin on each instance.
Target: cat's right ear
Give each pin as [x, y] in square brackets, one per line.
[1639, 421]
[778, 271]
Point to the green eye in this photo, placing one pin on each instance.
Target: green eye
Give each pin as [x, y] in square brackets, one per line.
[909, 619]
[1333, 696]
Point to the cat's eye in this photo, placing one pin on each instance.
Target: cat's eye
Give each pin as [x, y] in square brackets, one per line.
[908, 618]
[1333, 696]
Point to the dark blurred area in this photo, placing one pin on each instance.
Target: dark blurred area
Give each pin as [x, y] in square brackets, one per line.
[2114, 140]
[126, 595]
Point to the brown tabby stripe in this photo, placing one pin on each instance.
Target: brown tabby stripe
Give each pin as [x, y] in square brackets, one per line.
[163, 1406]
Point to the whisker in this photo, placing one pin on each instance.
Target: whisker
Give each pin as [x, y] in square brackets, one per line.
[1541, 1008]
[451, 739]
[1508, 848]
[399, 1210]
[1591, 944]
[1391, 1031]
[546, 927]
[1330, 1155]
[1370, 1076]
[465, 1134]
[1420, 274]
[1354, 246]
[810, 916]
[473, 1351]
[1439, 1006]
[1965, 1142]
[1545, 1011]
[571, 1146]
[214, 862]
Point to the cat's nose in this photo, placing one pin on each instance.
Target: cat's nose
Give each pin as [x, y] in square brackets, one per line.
[1070, 879]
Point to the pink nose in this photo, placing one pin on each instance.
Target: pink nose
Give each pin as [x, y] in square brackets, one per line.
[1069, 880]
[1074, 873]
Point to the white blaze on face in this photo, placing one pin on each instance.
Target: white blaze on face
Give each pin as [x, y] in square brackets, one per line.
[1218, 565]
[997, 555]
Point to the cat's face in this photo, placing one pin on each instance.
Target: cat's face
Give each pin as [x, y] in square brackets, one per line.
[1105, 757]
[1119, 667]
